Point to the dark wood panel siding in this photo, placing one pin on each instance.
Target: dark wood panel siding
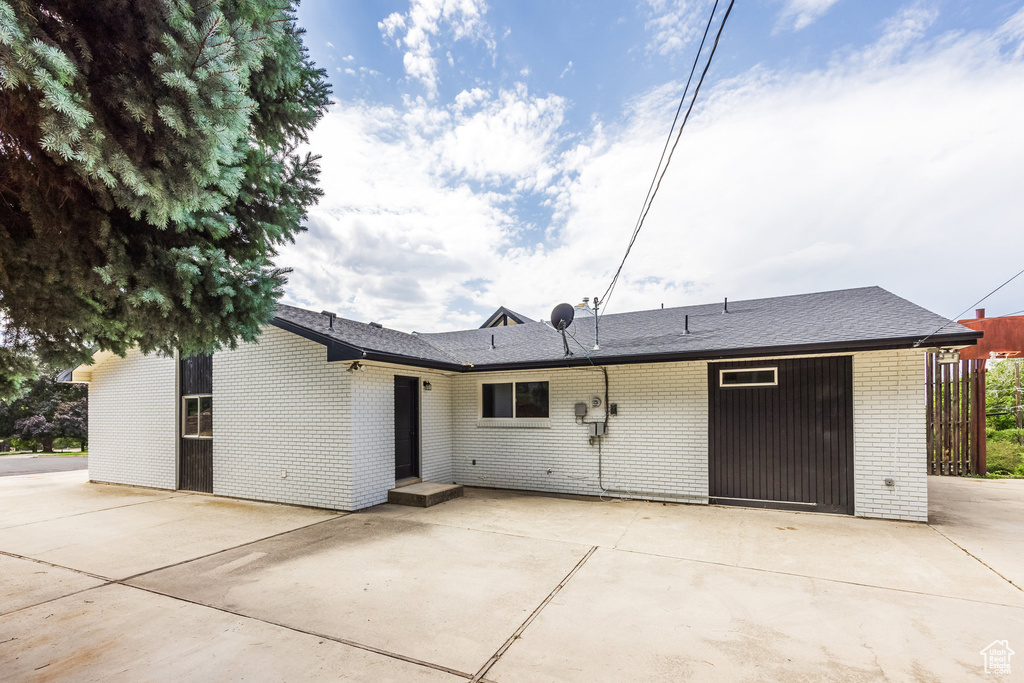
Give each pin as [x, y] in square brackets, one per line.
[197, 374]
[791, 443]
[195, 456]
[195, 472]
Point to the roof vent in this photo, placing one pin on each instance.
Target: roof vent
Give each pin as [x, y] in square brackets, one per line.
[377, 325]
[725, 308]
[330, 318]
[686, 324]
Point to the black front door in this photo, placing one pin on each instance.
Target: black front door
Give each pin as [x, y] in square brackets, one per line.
[407, 425]
[781, 434]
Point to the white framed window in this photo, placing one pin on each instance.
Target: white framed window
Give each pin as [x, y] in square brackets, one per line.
[520, 400]
[748, 377]
[197, 416]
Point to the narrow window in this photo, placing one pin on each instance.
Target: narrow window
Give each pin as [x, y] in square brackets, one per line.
[197, 417]
[515, 400]
[531, 399]
[497, 400]
[749, 377]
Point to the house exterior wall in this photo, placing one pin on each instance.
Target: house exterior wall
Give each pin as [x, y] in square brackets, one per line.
[281, 409]
[282, 423]
[133, 424]
[373, 425]
[889, 427]
[656, 447]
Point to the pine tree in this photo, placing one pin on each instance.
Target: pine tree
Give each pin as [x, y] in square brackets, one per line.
[148, 173]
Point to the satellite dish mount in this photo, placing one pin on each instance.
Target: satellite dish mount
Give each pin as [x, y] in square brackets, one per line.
[561, 318]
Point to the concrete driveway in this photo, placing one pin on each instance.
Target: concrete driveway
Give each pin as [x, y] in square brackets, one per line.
[101, 582]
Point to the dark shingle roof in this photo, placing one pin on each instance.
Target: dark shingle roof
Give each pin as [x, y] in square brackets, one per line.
[361, 336]
[842, 320]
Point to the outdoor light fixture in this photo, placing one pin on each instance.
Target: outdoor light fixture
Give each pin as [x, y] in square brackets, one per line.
[947, 356]
[356, 366]
[426, 386]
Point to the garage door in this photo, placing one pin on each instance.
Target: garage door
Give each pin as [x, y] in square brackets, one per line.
[781, 434]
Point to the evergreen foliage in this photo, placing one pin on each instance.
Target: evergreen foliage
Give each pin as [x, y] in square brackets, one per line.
[150, 172]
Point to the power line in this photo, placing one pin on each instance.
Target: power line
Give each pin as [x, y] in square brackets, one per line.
[659, 173]
[974, 305]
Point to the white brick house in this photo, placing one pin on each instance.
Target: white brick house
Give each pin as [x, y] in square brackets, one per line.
[811, 402]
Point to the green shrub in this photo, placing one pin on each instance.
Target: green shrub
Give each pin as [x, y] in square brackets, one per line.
[1014, 436]
[1004, 457]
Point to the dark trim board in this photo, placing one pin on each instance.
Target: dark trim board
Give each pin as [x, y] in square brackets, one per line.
[787, 446]
[195, 455]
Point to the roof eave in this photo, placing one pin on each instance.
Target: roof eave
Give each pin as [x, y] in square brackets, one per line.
[341, 351]
[960, 339]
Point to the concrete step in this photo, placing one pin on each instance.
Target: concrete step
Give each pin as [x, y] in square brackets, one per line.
[424, 494]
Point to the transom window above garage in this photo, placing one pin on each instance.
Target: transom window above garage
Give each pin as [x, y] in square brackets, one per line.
[748, 377]
[516, 400]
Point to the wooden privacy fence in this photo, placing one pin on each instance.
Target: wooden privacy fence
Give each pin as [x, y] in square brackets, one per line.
[956, 416]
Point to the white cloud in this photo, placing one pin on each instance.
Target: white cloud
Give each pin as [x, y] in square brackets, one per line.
[347, 58]
[897, 165]
[567, 70]
[798, 14]
[414, 30]
[330, 44]
[673, 24]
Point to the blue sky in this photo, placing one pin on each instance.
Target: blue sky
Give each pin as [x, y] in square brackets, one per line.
[482, 154]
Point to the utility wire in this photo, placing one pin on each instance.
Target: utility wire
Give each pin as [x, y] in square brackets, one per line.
[659, 173]
[974, 305]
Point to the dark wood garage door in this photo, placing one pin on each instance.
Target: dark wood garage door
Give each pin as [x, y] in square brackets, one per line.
[781, 434]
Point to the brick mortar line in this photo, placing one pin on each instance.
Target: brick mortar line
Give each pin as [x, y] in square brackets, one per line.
[489, 664]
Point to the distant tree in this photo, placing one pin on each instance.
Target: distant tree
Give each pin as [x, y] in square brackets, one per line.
[150, 172]
[37, 430]
[47, 409]
[71, 420]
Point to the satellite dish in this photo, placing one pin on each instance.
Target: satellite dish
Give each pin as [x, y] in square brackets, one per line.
[562, 316]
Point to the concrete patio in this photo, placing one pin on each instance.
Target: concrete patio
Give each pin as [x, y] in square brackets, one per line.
[113, 582]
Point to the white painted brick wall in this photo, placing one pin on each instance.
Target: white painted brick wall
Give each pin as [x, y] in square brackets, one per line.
[280, 407]
[889, 435]
[373, 424]
[657, 444]
[133, 425]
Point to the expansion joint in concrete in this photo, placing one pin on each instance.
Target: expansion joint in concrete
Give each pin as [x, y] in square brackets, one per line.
[529, 620]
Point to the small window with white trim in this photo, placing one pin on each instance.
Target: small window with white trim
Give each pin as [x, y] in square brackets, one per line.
[522, 400]
[197, 417]
[748, 377]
